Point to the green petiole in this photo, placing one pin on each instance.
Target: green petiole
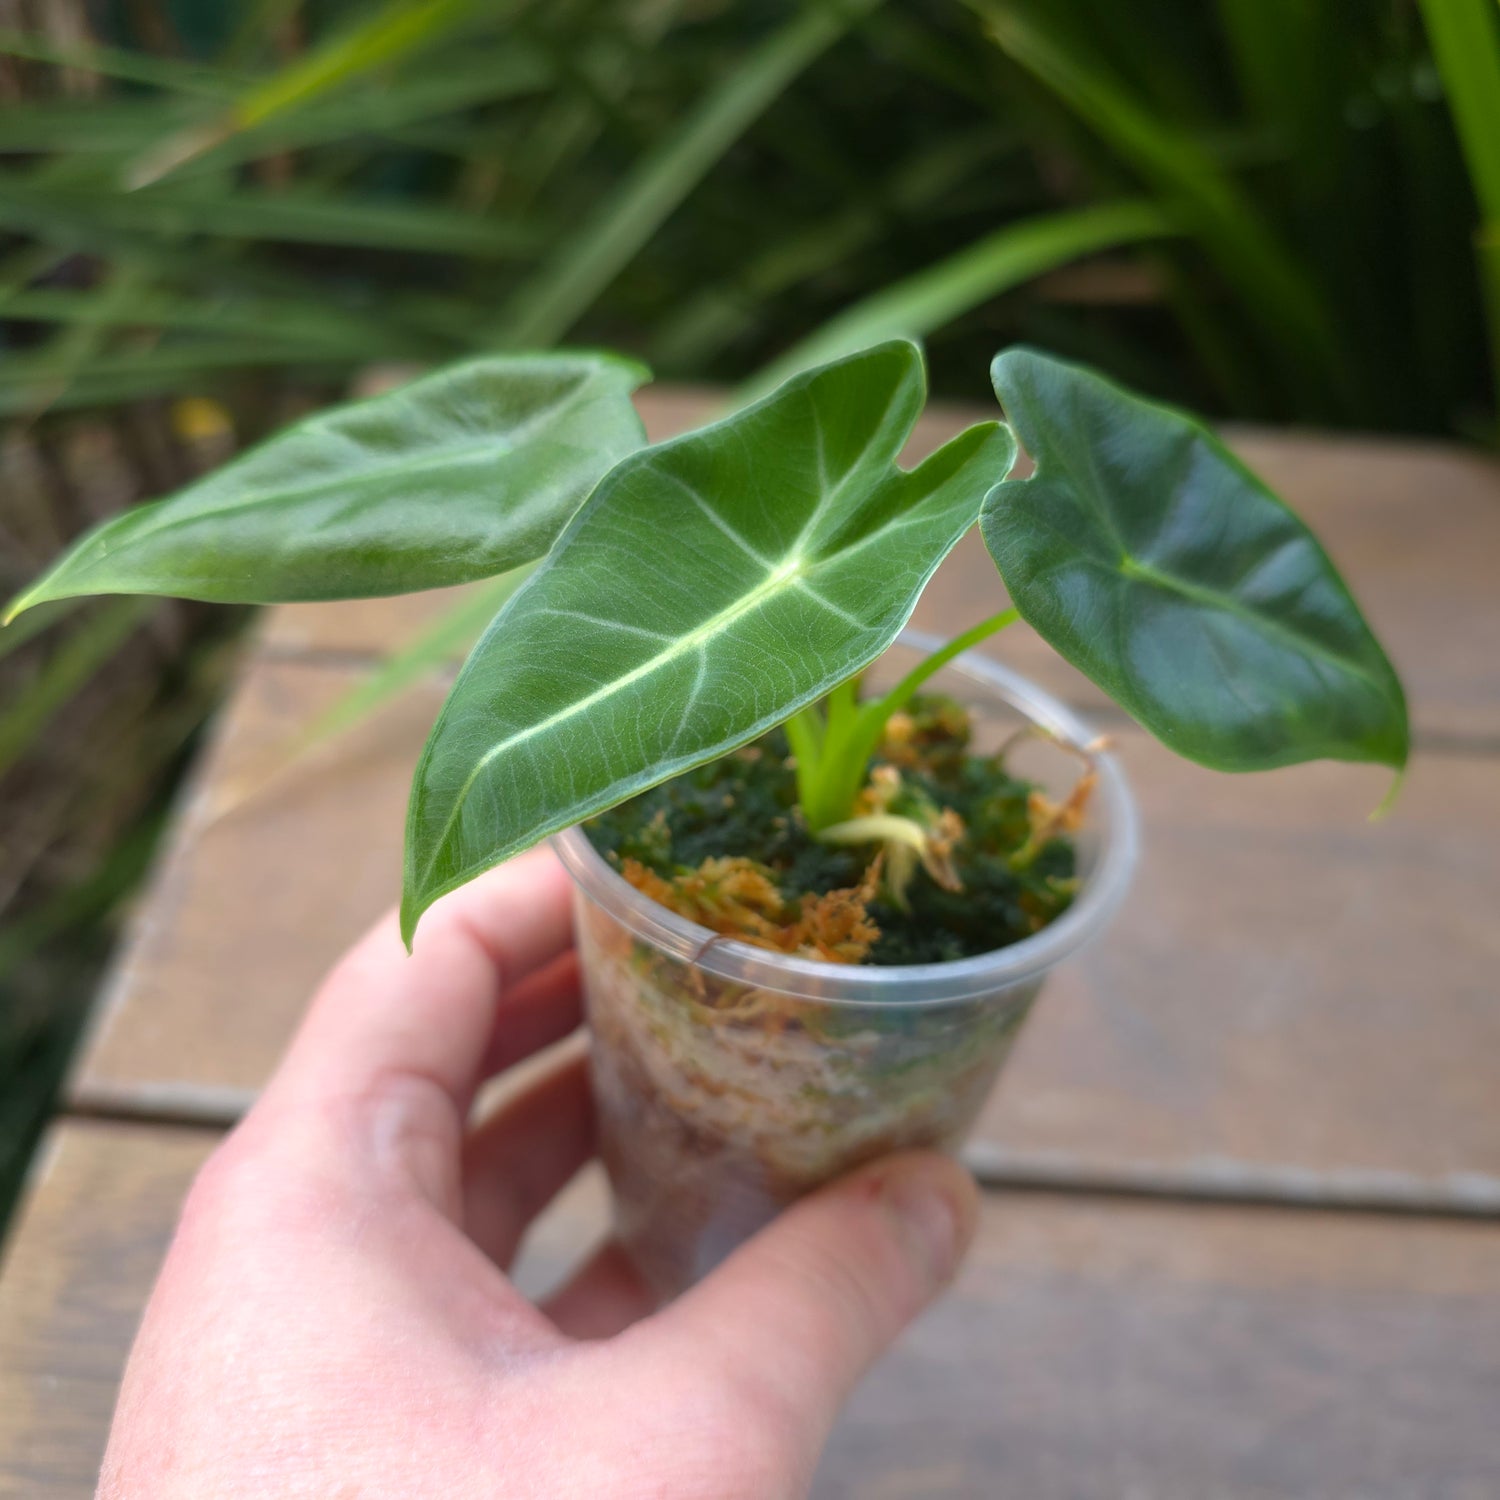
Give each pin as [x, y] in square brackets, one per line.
[833, 742]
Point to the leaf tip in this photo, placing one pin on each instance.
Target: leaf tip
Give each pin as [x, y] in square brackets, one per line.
[412, 907]
[1015, 362]
[177, 151]
[1388, 802]
[636, 371]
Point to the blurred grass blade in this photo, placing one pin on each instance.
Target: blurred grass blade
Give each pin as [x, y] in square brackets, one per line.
[296, 217]
[29, 381]
[70, 666]
[262, 318]
[1465, 38]
[1249, 255]
[1487, 249]
[481, 77]
[116, 127]
[708, 319]
[395, 32]
[21, 630]
[546, 307]
[52, 372]
[216, 269]
[576, 116]
[85, 125]
[1274, 56]
[256, 29]
[91, 899]
[1002, 260]
[445, 643]
[129, 67]
[392, 33]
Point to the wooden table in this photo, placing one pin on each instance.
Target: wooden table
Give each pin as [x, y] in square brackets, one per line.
[1242, 1240]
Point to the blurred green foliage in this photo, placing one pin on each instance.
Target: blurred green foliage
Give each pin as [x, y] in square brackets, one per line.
[194, 190]
[213, 215]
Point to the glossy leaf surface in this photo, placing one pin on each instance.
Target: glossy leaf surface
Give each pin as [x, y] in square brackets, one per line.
[461, 475]
[710, 587]
[1156, 563]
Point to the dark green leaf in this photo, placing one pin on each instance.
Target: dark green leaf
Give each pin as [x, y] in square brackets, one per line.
[1156, 563]
[461, 475]
[708, 589]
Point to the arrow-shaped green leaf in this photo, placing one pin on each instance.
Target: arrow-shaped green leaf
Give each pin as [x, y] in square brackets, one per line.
[708, 588]
[464, 474]
[1152, 559]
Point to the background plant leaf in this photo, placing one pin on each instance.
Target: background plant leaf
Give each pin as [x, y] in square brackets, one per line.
[1160, 566]
[936, 295]
[84, 653]
[392, 33]
[458, 476]
[545, 308]
[709, 588]
[1250, 253]
[1465, 36]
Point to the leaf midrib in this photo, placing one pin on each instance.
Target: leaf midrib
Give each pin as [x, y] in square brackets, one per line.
[1132, 567]
[1305, 645]
[786, 577]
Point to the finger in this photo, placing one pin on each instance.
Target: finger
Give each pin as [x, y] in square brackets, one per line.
[384, 1021]
[542, 1009]
[795, 1316]
[517, 1161]
[602, 1298]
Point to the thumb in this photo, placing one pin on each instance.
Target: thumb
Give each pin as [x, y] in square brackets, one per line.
[802, 1310]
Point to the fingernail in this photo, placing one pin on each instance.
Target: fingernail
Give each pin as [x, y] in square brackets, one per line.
[932, 1221]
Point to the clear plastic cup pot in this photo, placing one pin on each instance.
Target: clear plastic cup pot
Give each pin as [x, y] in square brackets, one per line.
[730, 1079]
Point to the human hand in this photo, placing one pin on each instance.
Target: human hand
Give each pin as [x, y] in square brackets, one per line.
[334, 1319]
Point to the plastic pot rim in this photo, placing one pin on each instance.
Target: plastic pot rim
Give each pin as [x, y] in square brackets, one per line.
[966, 979]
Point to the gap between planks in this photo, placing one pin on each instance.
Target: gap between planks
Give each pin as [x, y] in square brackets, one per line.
[1212, 1180]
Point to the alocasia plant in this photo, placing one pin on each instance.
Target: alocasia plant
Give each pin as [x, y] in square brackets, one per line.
[691, 595]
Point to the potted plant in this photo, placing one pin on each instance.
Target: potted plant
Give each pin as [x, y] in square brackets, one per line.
[811, 916]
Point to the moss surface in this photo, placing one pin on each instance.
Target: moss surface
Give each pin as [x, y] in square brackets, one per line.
[726, 846]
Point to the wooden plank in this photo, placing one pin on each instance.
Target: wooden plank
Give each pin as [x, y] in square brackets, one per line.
[1092, 1349]
[1414, 526]
[1095, 1350]
[270, 876]
[1289, 989]
[80, 1263]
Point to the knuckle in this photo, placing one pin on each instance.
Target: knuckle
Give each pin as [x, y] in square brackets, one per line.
[215, 1197]
[249, 1187]
[218, 1183]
